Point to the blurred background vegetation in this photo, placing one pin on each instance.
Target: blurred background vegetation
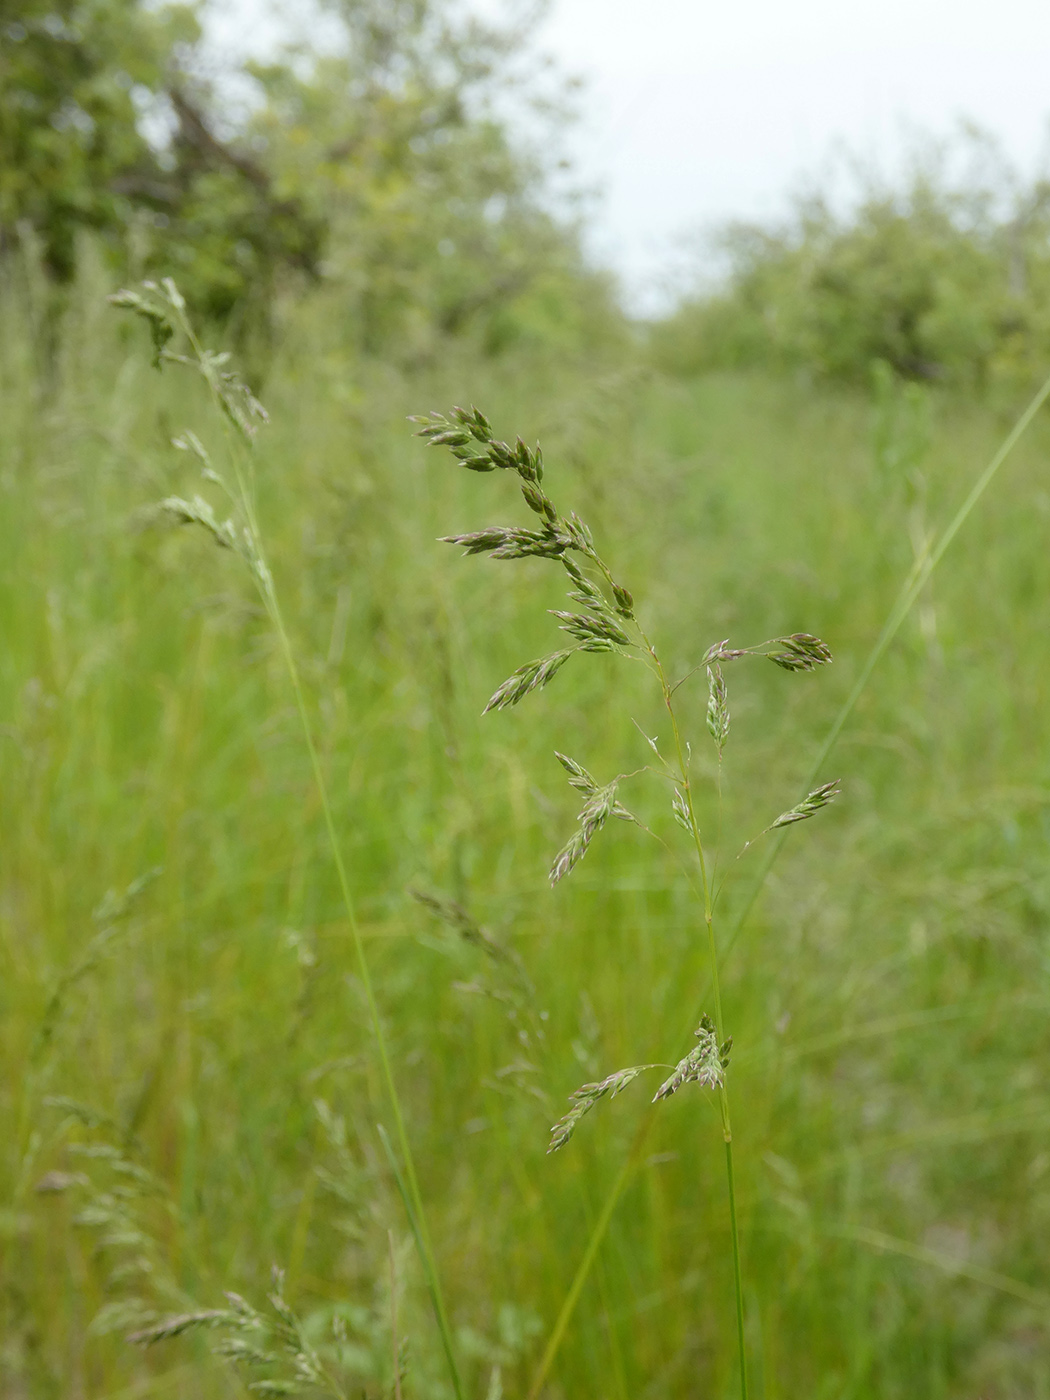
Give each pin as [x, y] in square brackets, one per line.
[383, 166]
[944, 277]
[190, 1088]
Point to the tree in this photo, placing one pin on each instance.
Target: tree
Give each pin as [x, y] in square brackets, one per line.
[103, 128]
[409, 136]
[945, 277]
[389, 163]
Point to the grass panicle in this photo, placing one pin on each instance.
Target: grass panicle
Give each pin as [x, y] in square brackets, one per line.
[164, 309]
[809, 806]
[609, 623]
[601, 804]
[270, 1347]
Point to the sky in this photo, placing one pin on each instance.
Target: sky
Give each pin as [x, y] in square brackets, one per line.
[696, 112]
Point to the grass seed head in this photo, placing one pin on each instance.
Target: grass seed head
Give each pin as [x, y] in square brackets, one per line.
[587, 629]
[200, 512]
[809, 806]
[601, 804]
[534, 675]
[475, 422]
[705, 1064]
[721, 651]
[157, 319]
[179, 1323]
[717, 706]
[537, 501]
[802, 652]
[511, 542]
[624, 601]
[579, 778]
[456, 917]
[580, 534]
[680, 808]
[587, 1096]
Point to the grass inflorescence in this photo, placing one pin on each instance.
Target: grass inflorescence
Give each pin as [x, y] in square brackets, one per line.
[207, 1023]
[609, 624]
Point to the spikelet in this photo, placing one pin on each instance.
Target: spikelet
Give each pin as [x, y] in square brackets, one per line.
[601, 804]
[809, 806]
[717, 706]
[801, 652]
[705, 1064]
[585, 1098]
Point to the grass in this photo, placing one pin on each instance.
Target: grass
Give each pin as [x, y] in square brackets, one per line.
[608, 625]
[888, 1000]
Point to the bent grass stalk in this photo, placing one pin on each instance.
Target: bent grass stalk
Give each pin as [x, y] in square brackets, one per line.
[911, 590]
[163, 309]
[608, 623]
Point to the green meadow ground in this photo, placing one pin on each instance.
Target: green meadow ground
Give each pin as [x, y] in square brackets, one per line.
[889, 997]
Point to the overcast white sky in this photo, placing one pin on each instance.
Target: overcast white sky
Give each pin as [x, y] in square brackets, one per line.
[700, 110]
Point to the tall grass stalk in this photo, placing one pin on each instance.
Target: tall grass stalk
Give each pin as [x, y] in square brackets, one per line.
[609, 624]
[164, 310]
[911, 590]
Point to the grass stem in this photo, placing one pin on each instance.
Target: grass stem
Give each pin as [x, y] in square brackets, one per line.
[737, 1272]
[723, 1095]
[917, 578]
[264, 579]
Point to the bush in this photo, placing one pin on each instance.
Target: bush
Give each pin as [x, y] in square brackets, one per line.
[941, 279]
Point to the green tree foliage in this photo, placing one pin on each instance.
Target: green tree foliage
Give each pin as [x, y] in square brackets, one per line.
[383, 161]
[69, 127]
[438, 218]
[103, 129]
[941, 280]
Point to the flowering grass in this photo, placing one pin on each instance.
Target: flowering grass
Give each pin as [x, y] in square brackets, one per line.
[888, 1011]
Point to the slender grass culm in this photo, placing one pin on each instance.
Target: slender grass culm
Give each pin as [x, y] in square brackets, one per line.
[163, 309]
[607, 622]
[927, 560]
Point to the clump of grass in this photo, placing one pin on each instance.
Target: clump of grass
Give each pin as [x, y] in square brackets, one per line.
[277, 1351]
[235, 527]
[604, 620]
[271, 1346]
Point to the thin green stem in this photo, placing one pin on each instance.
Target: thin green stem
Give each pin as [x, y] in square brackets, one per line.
[723, 1094]
[568, 1306]
[736, 1270]
[412, 1196]
[427, 1250]
[418, 1227]
[917, 577]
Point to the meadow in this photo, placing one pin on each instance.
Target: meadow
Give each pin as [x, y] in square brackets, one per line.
[189, 1081]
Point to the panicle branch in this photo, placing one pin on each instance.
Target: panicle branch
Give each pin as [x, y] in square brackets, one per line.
[467, 433]
[587, 1096]
[534, 675]
[601, 804]
[163, 308]
[801, 652]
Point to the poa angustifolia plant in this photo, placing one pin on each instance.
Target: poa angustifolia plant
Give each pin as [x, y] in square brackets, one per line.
[603, 619]
[233, 524]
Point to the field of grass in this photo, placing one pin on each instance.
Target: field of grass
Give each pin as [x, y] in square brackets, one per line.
[889, 996]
